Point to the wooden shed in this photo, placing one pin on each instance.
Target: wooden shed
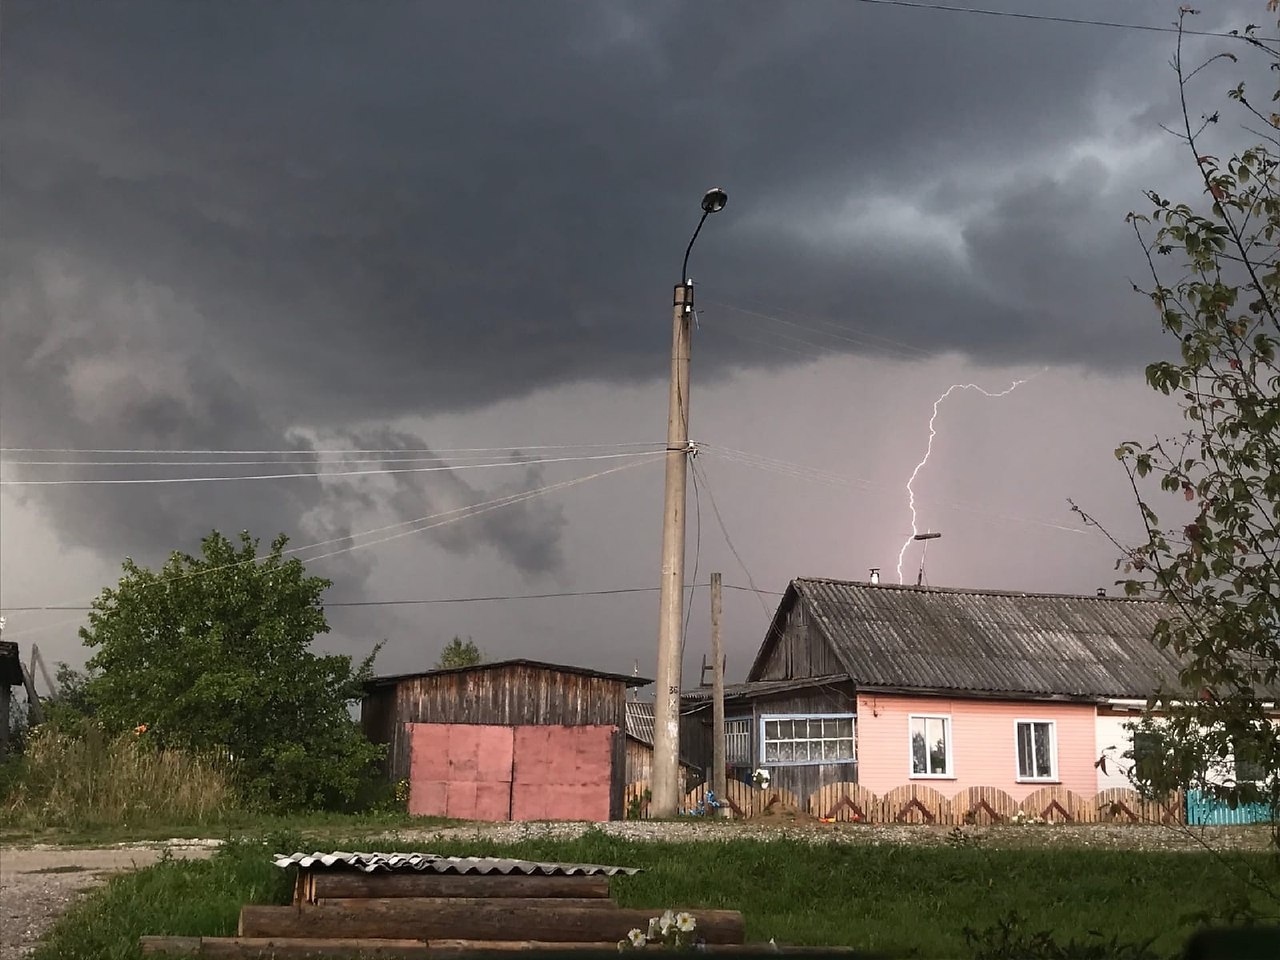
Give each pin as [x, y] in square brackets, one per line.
[464, 735]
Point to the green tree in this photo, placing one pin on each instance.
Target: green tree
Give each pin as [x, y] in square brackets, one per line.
[68, 705]
[459, 653]
[1215, 284]
[212, 653]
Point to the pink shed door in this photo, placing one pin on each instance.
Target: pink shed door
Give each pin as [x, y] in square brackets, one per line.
[461, 771]
[562, 773]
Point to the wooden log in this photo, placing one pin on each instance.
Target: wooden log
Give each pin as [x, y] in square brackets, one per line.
[338, 885]
[456, 918]
[429, 905]
[286, 948]
[170, 946]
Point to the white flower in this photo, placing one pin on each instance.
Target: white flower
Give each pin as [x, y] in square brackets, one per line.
[666, 922]
[685, 922]
[637, 938]
[653, 928]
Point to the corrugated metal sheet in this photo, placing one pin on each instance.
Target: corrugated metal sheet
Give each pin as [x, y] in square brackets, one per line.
[986, 641]
[763, 688]
[640, 721]
[430, 862]
[623, 678]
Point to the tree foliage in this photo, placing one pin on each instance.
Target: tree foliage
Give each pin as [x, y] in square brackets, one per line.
[213, 653]
[1215, 285]
[459, 653]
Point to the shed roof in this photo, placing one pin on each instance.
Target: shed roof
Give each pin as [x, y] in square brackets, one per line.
[983, 641]
[624, 678]
[640, 721]
[763, 688]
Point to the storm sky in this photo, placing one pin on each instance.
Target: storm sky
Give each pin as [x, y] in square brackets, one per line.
[447, 234]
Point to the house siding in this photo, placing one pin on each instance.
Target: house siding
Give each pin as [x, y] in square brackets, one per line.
[800, 780]
[796, 649]
[1113, 741]
[983, 748]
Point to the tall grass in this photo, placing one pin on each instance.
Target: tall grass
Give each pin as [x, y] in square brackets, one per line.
[86, 778]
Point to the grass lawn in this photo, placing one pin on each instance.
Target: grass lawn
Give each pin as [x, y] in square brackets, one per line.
[898, 901]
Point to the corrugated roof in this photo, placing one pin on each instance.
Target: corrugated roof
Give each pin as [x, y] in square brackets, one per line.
[640, 721]
[985, 641]
[625, 678]
[762, 688]
[433, 863]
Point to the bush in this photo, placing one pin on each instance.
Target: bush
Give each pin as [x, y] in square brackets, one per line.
[86, 778]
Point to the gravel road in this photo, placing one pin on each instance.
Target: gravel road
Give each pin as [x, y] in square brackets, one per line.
[38, 883]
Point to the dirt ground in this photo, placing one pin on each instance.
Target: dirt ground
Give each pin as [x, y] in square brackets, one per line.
[38, 884]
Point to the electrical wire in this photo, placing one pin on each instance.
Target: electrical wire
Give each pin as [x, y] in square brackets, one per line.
[1050, 18]
[426, 601]
[83, 481]
[697, 554]
[342, 461]
[444, 517]
[846, 333]
[729, 542]
[210, 452]
[813, 474]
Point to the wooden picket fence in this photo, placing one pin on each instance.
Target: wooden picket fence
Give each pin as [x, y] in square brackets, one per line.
[919, 803]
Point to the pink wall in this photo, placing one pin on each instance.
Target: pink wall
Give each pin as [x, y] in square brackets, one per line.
[562, 773]
[983, 748]
[486, 772]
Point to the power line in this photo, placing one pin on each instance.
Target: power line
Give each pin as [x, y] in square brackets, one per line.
[210, 452]
[452, 516]
[849, 334]
[315, 461]
[87, 481]
[1050, 18]
[493, 598]
[729, 541]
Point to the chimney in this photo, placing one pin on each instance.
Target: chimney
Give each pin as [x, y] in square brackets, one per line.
[1102, 591]
[875, 574]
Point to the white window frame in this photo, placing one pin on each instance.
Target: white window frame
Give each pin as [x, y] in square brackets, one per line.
[745, 733]
[765, 762]
[950, 773]
[1053, 751]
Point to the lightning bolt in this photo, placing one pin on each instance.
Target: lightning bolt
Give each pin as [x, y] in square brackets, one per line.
[933, 432]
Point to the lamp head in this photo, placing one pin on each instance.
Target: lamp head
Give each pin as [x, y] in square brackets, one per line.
[713, 200]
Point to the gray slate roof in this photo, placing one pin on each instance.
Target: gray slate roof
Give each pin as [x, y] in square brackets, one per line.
[640, 721]
[624, 678]
[763, 688]
[983, 641]
[434, 863]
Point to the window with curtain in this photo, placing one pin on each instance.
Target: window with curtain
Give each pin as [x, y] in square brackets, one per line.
[931, 746]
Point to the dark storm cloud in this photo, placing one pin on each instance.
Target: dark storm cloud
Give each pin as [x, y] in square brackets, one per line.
[333, 213]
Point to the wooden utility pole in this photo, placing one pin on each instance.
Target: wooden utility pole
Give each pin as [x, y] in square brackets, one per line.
[717, 698]
[666, 704]
[665, 777]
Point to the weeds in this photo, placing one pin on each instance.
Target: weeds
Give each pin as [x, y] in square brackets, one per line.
[86, 778]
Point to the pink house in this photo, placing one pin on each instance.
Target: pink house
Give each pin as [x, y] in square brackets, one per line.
[888, 686]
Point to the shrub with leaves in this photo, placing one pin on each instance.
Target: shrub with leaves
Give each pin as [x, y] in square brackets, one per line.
[1212, 559]
[215, 652]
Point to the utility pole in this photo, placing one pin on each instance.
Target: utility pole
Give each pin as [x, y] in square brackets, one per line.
[717, 698]
[666, 705]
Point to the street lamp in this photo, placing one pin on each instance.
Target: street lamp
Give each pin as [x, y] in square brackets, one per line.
[665, 788]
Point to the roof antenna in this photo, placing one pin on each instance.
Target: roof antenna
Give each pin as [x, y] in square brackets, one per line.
[926, 537]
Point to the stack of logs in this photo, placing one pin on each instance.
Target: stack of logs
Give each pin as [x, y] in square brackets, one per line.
[347, 913]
